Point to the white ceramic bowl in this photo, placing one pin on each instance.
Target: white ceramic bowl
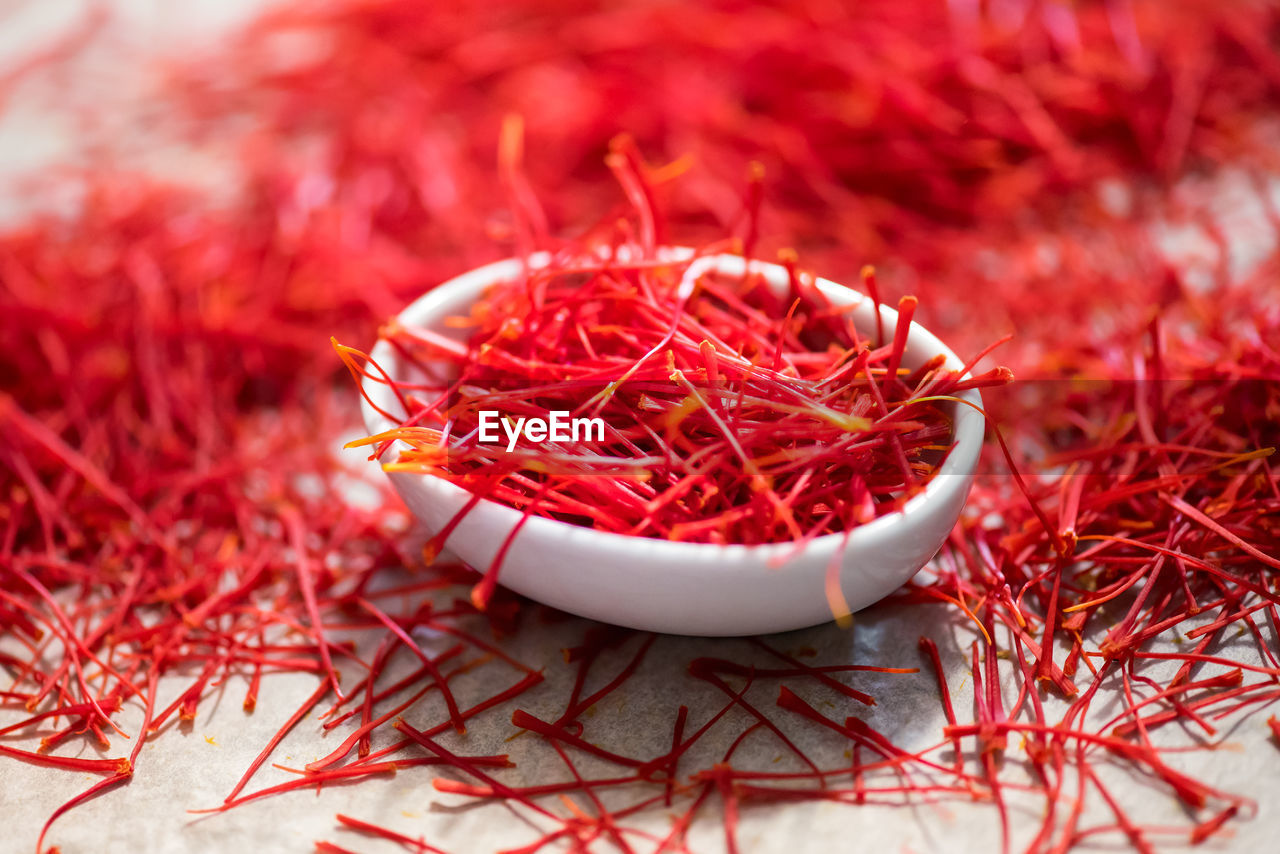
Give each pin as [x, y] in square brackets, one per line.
[687, 588]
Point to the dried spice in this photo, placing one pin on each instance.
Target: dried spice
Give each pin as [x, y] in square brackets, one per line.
[147, 535]
[711, 408]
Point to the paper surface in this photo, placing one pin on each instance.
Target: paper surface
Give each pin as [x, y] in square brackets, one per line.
[195, 767]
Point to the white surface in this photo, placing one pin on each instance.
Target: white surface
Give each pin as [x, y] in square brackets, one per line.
[196, 768]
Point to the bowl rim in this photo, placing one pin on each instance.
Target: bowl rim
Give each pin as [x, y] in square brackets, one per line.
[952, 476]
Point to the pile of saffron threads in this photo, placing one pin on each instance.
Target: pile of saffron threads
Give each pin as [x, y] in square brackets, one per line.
[174, 523]
[728, 413]
[887, 129]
